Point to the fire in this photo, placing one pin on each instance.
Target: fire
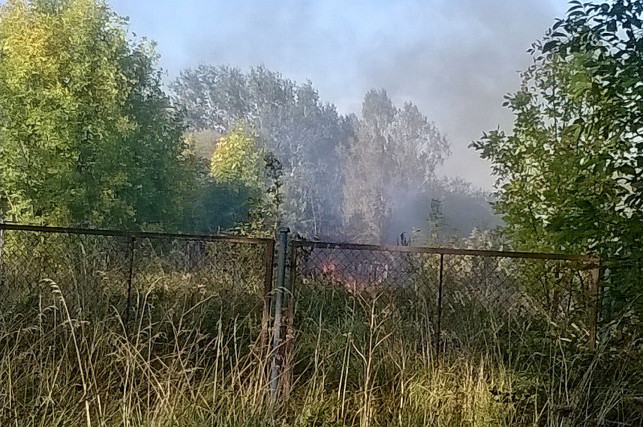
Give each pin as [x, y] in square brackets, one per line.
[353, 281]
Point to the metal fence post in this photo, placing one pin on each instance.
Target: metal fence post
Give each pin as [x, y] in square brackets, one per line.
[593, 308]
[288, 323]
[438, 332]
[279, 296]
[268, 261]
[129, 284]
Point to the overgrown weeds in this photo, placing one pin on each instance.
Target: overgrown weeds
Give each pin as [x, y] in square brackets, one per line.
[191, 351]
[370, 360]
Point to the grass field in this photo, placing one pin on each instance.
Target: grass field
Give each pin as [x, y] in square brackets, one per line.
[190, 350]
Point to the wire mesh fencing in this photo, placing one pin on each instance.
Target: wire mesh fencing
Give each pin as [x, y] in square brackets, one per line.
[452, 284]
[98, 272]
[152, 317]
[379, 309]
[146, 304]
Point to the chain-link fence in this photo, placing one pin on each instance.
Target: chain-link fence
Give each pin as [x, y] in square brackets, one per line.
[457, 288]
[148, 300]
[369, 305]
[149, 314]
[102, 271]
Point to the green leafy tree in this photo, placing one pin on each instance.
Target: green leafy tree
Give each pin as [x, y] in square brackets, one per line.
[87, 136]
[290, 121]
[242, 164]
[570, 174]
[237, 159]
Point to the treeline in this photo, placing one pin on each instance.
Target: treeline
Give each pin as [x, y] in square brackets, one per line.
[87, 135]
[367, 178]
[90, 137]
[571, 170]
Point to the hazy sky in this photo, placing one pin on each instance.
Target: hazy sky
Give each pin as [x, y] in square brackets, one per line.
[454, 59]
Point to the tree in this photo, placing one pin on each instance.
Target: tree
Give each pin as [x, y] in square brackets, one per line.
[395, 151]
[238, 160]
[570, 174]
[290, 122]
[87, 136]
[241, 164]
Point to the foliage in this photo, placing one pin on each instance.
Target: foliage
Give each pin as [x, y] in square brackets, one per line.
[237, 159]
[239, 162]
[87, 135]
[202, 143]
[207, 206]
[368, 178]
[290, 121]
[570, 174]
[456, 209]
[394, 150]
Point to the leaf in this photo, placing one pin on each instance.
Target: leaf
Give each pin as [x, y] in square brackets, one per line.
[550, 45]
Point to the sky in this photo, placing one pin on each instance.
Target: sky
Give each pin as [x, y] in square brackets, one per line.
[455, 59]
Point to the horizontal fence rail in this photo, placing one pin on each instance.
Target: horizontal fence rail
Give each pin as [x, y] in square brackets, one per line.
[446, 251]
[135, 234]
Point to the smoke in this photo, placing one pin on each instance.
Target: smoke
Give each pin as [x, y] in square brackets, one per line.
[454, 60]
[458, 69]
[439, 212]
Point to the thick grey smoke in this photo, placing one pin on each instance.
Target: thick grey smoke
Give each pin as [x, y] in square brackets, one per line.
[458, 71]
[454, 59]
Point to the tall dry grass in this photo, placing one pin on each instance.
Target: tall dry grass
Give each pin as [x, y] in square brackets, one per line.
[171, 369]
[189, 352]
[370, 360]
